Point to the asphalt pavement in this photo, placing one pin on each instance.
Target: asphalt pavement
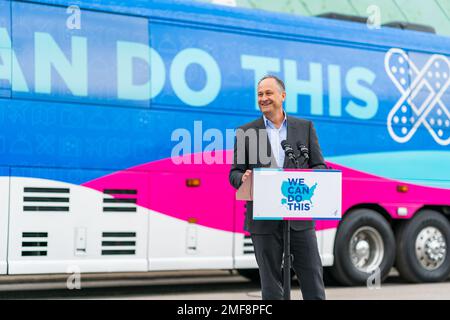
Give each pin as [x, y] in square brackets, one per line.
[197, 285]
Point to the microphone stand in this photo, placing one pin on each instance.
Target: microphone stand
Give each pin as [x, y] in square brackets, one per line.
[287, 248]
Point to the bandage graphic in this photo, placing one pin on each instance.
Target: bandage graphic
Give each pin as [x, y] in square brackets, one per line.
[411, 111]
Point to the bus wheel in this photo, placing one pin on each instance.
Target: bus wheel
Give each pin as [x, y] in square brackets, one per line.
[364, 246]
[423, 248]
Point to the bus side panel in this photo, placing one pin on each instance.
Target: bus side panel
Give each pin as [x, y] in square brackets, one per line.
[57, 227]
[327, 237]
[5, 47]
[190, 227]
[4, 215]
[91, 76]
[244, 253]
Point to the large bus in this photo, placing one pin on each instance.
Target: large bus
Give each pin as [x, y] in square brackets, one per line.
[117, 127]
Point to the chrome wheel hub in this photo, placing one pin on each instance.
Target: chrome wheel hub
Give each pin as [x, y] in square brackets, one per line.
[366, 249]
[431, 248]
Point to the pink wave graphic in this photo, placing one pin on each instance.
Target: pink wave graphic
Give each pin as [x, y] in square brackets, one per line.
[161, 187]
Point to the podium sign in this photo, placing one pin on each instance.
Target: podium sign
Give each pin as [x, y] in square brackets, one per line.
[297, 194]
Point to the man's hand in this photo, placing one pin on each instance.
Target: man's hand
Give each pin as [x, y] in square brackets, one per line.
[246, 175]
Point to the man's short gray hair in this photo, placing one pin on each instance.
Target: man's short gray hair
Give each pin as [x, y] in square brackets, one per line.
[278, 80]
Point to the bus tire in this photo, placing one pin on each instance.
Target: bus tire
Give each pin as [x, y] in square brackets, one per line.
[423, 248]
[365, 235]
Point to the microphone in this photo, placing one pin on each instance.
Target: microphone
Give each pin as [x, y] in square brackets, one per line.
[287, 148]
[303, 150]
[289, 152]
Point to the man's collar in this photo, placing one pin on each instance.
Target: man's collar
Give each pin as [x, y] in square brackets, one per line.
[267, 122]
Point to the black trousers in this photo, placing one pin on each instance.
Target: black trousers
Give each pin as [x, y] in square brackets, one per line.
[306, 263]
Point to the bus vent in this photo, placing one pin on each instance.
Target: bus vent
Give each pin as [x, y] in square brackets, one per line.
[248, 245]
[34, 244]
[118, 243]
[46, 199]
[124, 200]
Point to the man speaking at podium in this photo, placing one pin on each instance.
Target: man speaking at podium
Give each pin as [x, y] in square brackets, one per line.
[269, 131]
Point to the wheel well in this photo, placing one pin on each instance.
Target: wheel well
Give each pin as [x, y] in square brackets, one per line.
[444, 210]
